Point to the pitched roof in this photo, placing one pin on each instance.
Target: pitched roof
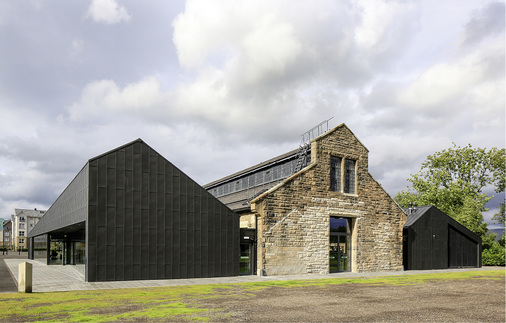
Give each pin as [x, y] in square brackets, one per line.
[342, 125]
[415, 213]
[422, 210]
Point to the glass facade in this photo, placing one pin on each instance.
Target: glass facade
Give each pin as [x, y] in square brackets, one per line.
[67, 249]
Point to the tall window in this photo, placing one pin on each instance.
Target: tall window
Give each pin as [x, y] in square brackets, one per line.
[349, 176]
[342, 177]
[335, 173]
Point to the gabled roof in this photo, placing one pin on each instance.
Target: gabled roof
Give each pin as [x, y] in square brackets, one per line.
[118, 148]
[342, 125]
[421, 211]
[415, 213]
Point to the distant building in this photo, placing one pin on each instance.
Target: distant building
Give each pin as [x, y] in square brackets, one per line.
[23, 221]
[7, 234]
[2, 230]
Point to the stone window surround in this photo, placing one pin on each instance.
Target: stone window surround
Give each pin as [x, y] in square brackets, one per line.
[342, 177]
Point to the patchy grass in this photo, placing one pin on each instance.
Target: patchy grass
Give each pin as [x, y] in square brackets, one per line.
[174, 303]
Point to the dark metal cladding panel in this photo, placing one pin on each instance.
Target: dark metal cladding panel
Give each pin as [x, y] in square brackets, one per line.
[129, 151]
[120, 207]
[110, 263]
[119, 245]
[111, 226]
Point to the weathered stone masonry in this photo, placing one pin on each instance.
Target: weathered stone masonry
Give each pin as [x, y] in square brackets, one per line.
[293, 217]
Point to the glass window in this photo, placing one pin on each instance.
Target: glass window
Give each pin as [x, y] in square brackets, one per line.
[340, 182]
[21, 233]
[349, 177]
[268, 176]
[335, 174]
[21, 225]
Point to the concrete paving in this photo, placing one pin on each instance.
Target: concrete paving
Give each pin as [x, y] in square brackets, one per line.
[57, 278]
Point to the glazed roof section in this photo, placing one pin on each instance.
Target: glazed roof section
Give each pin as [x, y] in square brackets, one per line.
[236, 190]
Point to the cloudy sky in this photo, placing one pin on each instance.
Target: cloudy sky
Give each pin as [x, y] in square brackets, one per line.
[217, 86]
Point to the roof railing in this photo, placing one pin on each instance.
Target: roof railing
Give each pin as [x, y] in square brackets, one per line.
[314, 132]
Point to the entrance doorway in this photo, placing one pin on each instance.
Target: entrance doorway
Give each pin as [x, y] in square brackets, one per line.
[340, 245]
[66, 248]
[247, 257]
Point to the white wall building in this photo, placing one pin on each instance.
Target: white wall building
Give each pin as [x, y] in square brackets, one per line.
[23, 221]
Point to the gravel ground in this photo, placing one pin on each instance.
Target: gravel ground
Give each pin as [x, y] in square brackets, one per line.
[473, 300]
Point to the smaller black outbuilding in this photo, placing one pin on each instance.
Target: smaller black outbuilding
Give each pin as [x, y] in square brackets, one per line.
[433, 240]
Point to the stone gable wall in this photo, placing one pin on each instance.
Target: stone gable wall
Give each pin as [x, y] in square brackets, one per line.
[293, 219]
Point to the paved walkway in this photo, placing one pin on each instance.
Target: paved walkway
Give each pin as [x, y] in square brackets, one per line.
[71, 278]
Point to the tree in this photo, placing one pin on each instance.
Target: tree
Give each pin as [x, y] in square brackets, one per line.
[453, 180]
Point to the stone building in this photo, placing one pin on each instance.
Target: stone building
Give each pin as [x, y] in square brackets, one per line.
[315, 210]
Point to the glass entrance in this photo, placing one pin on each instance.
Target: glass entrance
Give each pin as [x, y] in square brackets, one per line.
[340, 245]
[245, 267]
[247, 256]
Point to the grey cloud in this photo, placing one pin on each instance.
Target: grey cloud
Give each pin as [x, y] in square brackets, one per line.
[56, 54]
[485, 22]
[40, 70]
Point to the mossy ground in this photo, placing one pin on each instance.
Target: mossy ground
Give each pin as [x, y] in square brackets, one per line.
[176, 303]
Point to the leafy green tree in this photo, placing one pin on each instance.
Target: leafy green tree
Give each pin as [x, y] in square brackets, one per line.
[453, 180]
